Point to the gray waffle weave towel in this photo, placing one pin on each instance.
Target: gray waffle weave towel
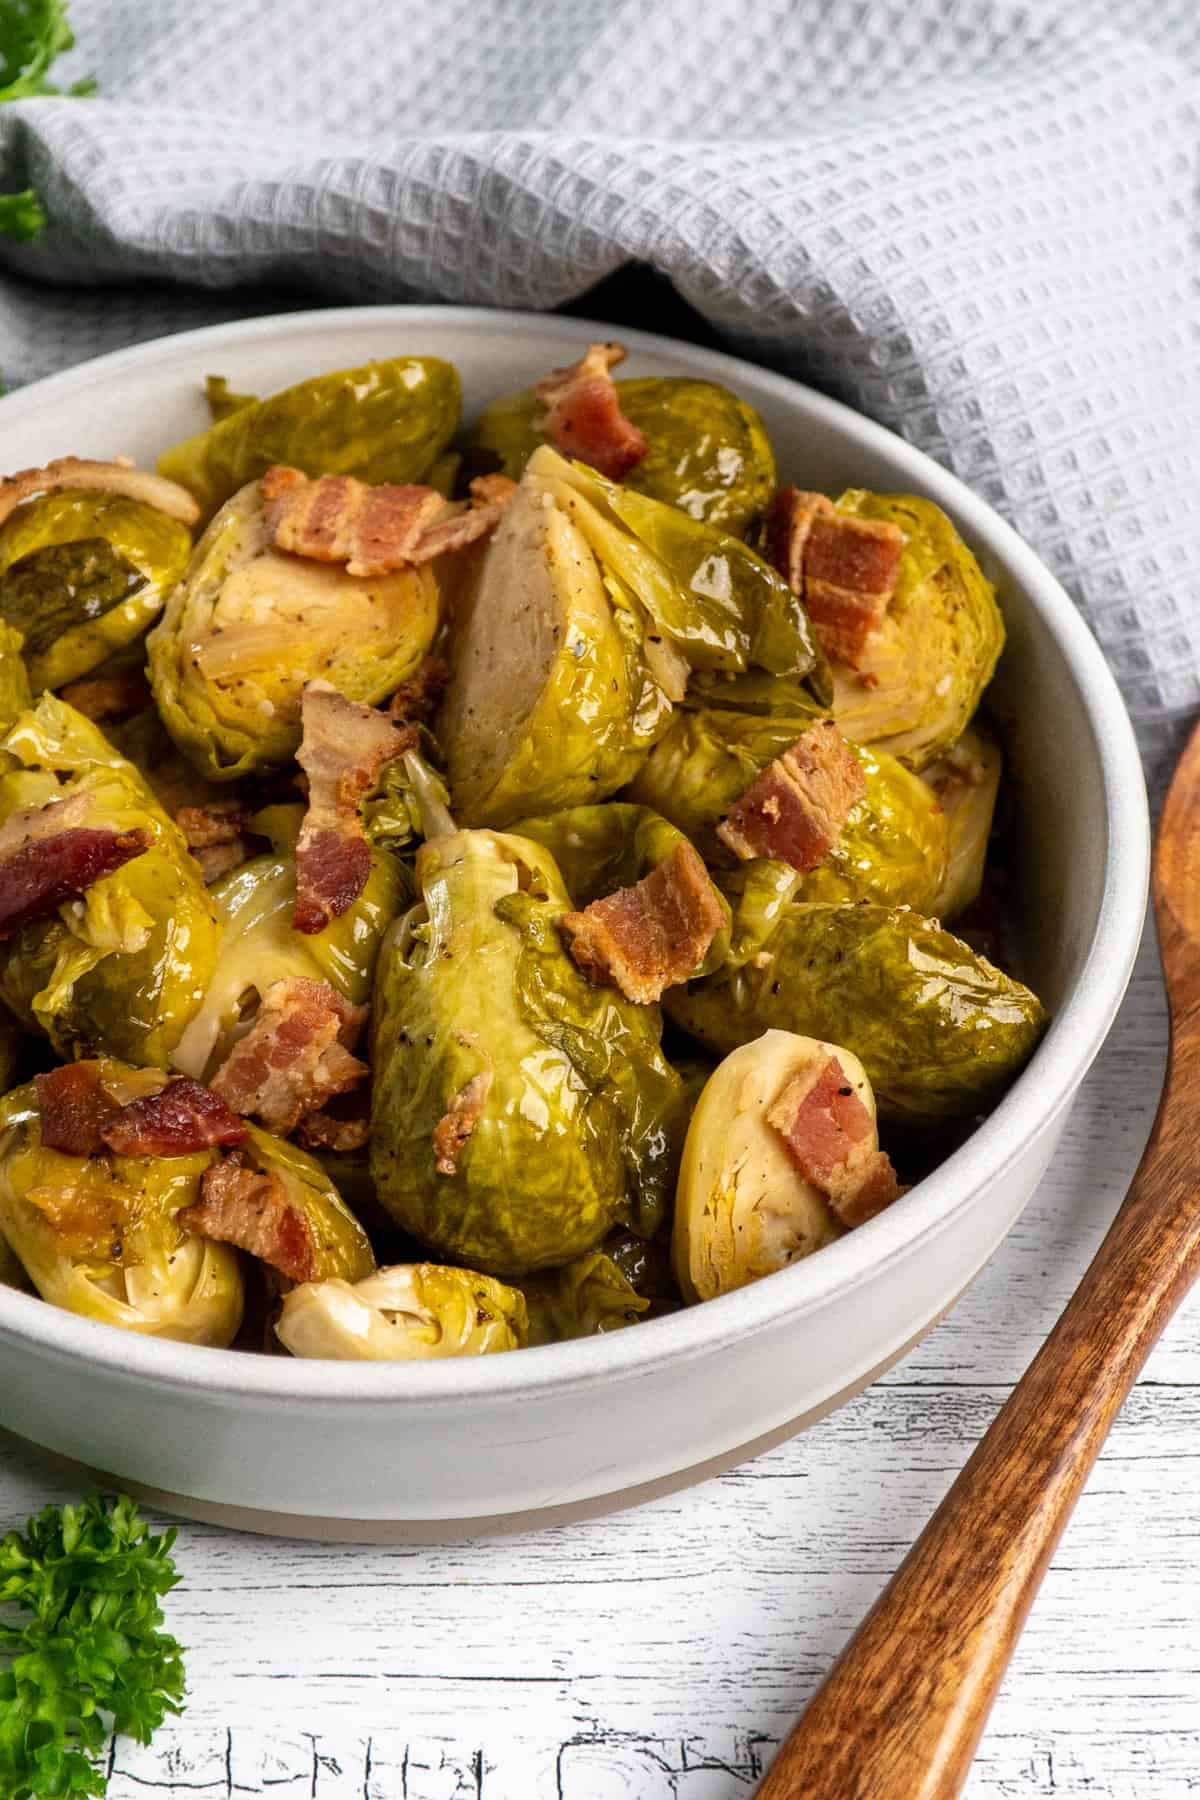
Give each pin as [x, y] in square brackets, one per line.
[972, 219]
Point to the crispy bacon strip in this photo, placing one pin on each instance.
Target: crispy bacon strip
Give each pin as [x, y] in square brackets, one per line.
[459, 1121]
[74, 1108]
[492, 490]
[103, 697]
[415, 701]
[329, 1131]
[242, 1206]
[117, 477]
[182, 1118]
[786, 526]
[374, 530]
[295, 1056]
[830, 1136]
[217, 835]
[343, 750]
[583, 416]
[795, 810]
[36, 878]
[845, 569]
[645, 938]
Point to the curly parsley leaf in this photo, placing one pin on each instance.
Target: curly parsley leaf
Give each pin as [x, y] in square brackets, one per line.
[33, 34]
[88, 1656]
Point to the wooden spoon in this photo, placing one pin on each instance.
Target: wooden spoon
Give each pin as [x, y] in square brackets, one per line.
[903, 1708]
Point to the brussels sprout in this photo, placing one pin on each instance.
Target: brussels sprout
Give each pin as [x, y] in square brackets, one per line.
[709, 451]
[743, 1209]
[518, 1111]
[966, 781]
[599, 849]
[248, 625]
[410, 802]
[589, 1295]
[83, 575]
[940, 1031]
[97, 1234]
[259, 944]
[342, 1247]
[385, 421]
[922, 675]
[405, 1314]
[550, 703]
[713, 599]
[124, 969]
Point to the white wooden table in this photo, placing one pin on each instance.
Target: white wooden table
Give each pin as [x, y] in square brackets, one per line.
[659, 1654]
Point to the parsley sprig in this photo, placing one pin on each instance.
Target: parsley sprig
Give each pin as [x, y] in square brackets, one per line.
[81, 1652]
[33, 34]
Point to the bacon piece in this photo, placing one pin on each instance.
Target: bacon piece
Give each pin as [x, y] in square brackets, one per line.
[830, 1136]
[36, 878]
[117, 477]
[795, 810]
[583, 416]
[181, 1118]
[492, 490]
[240, 1205]
[74, 1108]
[329, 1131]
[374, 530]
[103, 697]
[645, 938]
[844, 568]
[343, 750]
[459, 1121]
[295, 1056]
[217, 835]
[786, 525]
[415, 701]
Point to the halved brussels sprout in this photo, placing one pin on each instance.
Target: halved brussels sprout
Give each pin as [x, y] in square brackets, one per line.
[83, 575]
[709, 453]
[549, 703]
[892, 848]
[341, 1247]
[599, 849]
[249, 625]
[966, 782]
[921, 677]
[97, 1234]
[384, 421]
[518, 1111]
[940, 1031]
[259, 943]
[743, 1209]
[410, 1313]
[587, 1296]
[124, 969]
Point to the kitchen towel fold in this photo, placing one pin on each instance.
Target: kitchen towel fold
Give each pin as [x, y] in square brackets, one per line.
[972, 219]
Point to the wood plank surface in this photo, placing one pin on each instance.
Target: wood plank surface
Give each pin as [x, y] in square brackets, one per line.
[660, 1654]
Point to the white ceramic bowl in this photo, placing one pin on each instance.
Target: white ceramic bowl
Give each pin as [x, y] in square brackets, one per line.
[342, 1449]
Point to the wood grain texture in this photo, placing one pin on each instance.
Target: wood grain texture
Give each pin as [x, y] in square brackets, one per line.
[906, 1703]
[663, 1654]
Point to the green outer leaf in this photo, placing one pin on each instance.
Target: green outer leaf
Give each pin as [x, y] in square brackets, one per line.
[22, 216]
[384, 421]
[130, 1002]
[69, 628]
[940, 1031]
[15, 695]
[587, 1296]
[88, 1579]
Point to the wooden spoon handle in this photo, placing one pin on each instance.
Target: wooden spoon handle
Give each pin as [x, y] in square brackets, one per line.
[903, 1708]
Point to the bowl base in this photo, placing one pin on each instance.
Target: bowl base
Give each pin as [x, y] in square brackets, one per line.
[316, 1529]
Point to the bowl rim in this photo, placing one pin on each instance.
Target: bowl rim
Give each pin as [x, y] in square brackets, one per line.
[1044, 1089]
